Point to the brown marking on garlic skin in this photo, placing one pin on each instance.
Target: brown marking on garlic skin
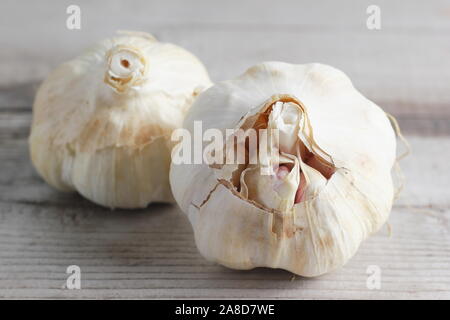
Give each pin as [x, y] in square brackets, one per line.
[140, 136]
[287, 227]
[326, 243]
[132, 135]
[207, 197]
[144, 135]
[95, 124]
[283, 226]
[288, 230]
[125, 133]
[85, 138]
[275, 73]
[197, 91]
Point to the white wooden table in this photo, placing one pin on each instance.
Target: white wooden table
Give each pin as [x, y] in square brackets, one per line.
[404, 67]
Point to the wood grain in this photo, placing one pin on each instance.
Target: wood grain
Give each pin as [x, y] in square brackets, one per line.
[151, 253]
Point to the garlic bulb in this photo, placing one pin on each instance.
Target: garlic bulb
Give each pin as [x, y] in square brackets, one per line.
[330, 185]
[102, 121]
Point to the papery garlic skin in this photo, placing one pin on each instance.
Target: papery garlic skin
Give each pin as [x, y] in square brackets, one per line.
[346, 150]
[102, 121]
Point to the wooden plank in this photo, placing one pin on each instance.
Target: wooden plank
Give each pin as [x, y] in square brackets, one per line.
[151, 253]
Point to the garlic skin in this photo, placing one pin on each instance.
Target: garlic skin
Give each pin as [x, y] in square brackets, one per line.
[102, 121]
[309, 219]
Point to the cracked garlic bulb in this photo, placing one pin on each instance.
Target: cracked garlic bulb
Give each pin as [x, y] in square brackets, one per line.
[329, 185]
[102, 121]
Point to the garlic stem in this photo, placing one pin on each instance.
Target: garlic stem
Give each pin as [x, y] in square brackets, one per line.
[126, 68]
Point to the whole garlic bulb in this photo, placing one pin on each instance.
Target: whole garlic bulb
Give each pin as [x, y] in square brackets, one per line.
[102, 121]
[330, 188]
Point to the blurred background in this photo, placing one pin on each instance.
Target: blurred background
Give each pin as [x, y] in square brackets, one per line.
[404, 66]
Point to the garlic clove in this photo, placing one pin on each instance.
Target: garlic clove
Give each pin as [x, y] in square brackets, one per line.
[286, 118]
[276, 191]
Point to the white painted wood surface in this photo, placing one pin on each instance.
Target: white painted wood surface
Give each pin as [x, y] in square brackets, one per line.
[151, 253]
